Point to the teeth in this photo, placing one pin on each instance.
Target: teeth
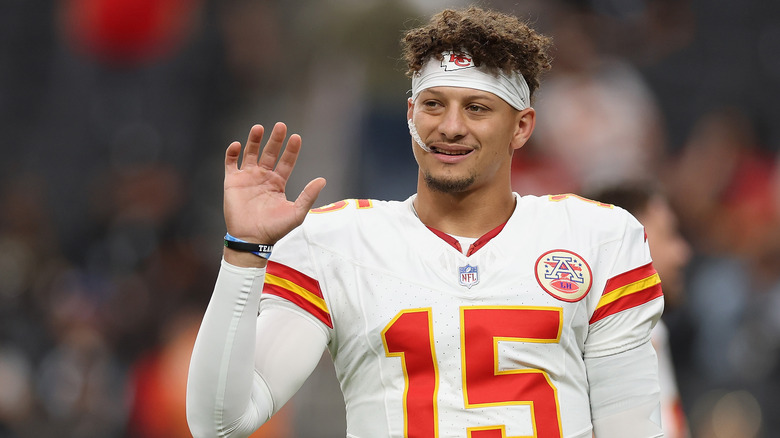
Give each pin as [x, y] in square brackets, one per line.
[440, 151]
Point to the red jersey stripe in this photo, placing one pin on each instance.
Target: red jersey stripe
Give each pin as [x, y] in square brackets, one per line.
[627, 290]
[627, 302]
[629, 277]
[294, 276]
[300, 301]
[298, 288]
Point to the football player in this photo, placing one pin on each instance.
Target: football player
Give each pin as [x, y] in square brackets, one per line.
[466, 310]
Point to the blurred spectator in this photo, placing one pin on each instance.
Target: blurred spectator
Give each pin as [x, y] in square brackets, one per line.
[16, 398]
[128, 32]
[729, 414]
[158, 383]
[723, 186]
[597, 118]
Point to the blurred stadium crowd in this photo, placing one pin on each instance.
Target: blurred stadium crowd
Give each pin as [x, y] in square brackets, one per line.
[115, 114]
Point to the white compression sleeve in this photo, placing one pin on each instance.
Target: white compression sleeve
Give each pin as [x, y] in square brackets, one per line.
[226, 395]
[624, 393]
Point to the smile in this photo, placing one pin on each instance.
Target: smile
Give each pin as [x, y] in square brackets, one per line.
[451, 150]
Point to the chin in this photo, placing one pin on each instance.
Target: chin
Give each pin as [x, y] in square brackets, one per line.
[449, 185]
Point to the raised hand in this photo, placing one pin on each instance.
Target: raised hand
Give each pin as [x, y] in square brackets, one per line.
[255, 204]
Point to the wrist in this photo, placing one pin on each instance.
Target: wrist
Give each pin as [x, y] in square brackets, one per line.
[243, 259]
[245, 254]
[262, 250]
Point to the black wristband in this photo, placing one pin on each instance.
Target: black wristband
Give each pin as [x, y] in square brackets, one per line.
[259, 249]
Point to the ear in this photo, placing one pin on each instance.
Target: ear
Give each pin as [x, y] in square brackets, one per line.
[409, 108]
[526, 120]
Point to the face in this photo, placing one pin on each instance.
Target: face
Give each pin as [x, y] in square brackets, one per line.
[472, 135]
[668, 248]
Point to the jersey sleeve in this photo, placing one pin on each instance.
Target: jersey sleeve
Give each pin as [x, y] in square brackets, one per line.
[624, 394]
[292, 276]
[631, 302]
[620, 361]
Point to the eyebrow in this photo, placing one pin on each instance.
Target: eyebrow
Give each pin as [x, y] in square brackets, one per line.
[482, 95]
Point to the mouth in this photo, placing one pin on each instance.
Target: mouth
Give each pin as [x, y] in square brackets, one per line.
[451, 150]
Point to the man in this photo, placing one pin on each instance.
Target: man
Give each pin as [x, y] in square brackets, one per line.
[671, 253]
[464, 311]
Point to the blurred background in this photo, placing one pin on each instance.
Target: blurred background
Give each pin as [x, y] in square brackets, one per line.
[115, 115]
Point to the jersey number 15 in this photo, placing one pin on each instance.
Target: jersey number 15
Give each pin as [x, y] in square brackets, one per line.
[410, 336]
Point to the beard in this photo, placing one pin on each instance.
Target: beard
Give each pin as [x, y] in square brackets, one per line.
[449, 185]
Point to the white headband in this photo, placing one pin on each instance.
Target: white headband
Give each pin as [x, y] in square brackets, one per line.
[457, 69]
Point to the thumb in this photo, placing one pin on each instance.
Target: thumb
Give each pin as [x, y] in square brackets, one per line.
[306, 199]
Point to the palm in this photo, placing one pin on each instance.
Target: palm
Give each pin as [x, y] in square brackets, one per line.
[255, 204]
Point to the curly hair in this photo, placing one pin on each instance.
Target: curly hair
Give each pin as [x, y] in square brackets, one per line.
[495, 41]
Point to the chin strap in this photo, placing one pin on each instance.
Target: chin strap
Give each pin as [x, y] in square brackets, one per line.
[416, 136]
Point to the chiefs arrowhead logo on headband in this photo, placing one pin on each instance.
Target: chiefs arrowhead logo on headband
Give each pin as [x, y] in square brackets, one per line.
[457, 69]
[452, 61]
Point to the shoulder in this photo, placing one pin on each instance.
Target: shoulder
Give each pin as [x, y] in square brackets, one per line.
[350, 208]
[345, 205]
[578, 213]
[575, 205]
[342, 227]
[348, 213]
[569, 201]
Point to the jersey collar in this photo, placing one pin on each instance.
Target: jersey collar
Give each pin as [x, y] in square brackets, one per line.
[482, 241]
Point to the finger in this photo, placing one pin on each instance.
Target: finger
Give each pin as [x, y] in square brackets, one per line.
[252, 149]
[290, 155]
[273, 146]
[306, 199]
[231, 157]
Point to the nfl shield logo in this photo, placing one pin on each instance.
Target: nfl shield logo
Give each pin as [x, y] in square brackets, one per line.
[469, 275]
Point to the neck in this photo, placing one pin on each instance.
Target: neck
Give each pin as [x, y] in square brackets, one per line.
[466, 214]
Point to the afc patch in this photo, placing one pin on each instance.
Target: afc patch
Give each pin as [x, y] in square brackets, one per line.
[564, 275]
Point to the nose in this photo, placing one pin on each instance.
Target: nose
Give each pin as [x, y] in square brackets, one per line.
[452, 126]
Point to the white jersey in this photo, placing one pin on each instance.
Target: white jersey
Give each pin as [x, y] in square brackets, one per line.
[432, 341]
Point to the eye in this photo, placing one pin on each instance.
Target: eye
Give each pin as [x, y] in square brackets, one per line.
[475, 108]
[431, 104]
